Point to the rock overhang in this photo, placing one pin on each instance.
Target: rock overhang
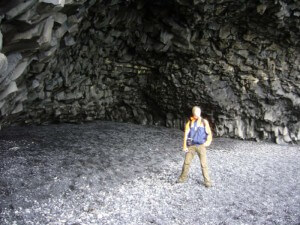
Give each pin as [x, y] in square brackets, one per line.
[149, 61]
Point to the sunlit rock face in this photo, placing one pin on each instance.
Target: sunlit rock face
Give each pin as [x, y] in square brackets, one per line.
[149, 62]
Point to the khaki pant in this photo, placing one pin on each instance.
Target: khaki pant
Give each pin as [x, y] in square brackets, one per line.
[201, 151]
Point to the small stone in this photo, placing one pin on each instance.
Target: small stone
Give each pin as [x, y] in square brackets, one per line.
[60, 17]
[37, 67]
[69, 40]
[19, 108]
[35, 84]
[60, 96]
[60, 32]
[243, 53]
[261, 9]
[224, 32]
[166, 37]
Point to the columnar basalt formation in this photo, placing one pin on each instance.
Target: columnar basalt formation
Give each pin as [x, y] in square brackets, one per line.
[149, 62]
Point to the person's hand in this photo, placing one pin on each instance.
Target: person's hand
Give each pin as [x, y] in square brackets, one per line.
[206, 144]
[185, 150]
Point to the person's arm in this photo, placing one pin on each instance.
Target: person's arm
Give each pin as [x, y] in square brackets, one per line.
[186, 133]
[209, 134]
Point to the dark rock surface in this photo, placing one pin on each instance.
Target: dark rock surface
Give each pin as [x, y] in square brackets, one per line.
[149, 62]
[117, 173]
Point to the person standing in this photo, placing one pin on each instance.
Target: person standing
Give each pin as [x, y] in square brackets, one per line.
[197, 136]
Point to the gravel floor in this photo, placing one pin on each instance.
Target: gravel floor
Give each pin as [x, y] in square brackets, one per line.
[118, 173]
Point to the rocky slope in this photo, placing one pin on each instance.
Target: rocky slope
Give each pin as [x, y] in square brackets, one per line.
[149, 62]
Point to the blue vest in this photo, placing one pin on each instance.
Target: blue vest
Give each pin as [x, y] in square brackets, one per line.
[197, 133]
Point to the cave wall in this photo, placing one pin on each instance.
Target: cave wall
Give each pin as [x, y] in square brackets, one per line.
[149, 62]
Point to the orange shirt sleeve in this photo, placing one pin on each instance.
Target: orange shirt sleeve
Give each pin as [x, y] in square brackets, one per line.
[186, 132]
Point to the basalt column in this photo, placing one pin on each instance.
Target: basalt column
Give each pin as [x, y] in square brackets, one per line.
[149, 62]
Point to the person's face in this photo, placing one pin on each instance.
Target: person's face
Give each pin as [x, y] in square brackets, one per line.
[196, 113]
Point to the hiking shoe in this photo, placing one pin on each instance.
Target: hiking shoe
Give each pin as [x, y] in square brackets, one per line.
[180, 180]
[207, 185]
